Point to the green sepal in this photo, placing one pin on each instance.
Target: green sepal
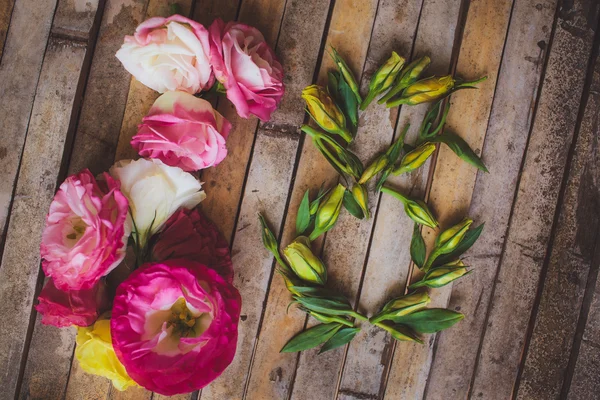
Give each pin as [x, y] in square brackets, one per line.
[352, 206]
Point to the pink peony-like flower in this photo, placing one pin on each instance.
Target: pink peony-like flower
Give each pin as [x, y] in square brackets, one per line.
[190, 235]
[248, 68]
[174, 326]
[86, 232]
[169, 54]
[183, 131]
[72, 307]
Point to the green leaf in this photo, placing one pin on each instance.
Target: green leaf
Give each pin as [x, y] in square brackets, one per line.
[461, 149]
[352, 206]
[349, 104]
[303, 216]
[430, 320]
[309, 291]
[314, 205]
[343, 336]
[418, 250]
[325, 306]
[468, 240]
[312, 337]
[383, 177]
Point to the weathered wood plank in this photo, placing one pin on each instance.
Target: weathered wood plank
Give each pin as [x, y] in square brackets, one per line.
[571, 259]
[506, 138]
[6, 8]
[533, 213]
[386, 269]
[74, 19]
[453, 180]
[38, 174]
[19, 71]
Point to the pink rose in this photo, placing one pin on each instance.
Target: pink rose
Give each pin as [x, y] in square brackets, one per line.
[248, 68]
[72, 307]
[169, 54]
[85, 235]
[174, 326]
[183, 131]
[190, 235]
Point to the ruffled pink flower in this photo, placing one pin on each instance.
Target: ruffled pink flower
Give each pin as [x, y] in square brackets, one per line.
[169, 54]
[86, 234]
[73, 307]
[248, 68]
[183, 131]
[174, 326]
[190, 235]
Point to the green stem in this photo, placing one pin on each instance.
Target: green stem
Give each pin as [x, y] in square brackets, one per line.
[394, 193]
[368, 100]
[359, 316]
[394, 91]
[471, 83]
[395, 103]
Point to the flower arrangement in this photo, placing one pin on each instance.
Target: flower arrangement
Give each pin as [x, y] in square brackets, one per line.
[335, 110]
[171, 324]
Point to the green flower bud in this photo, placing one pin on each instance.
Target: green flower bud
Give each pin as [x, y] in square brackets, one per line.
[374, 168]
[451, 237]
[362, 198]
[304, 263]
[416, 210]
[441, 276]
[408, 76]
[402, 306]
[327, 319]
[325, 112]
[328, 212]
[384, 78]
[344, 161]
[430, 89]
[346, 73]
[414, 159]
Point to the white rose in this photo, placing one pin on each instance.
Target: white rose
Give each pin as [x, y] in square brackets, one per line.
[169, 54]
[155, 191]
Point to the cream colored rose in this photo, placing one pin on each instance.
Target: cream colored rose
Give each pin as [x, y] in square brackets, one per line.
[155, 191]
[169, 54]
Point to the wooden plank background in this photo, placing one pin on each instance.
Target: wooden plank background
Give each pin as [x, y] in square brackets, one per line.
[532, 326]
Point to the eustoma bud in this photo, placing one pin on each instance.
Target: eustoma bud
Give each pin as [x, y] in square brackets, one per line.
[415, 158]
[346, 73]
[325, 112]
[374, 168]
[384, 78]
[431, 89]
[416, 210]
[328, 212]
[441, 276]
[402, 306]
[361, 196]
[448, 240]
[304, 263]
[408, 76]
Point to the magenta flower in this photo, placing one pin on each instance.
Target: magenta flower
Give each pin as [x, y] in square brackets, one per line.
[189, 234]
[71, 307]
[169, 54]
[183, 131]
[86, 233]
[174, 326]
[248, 68]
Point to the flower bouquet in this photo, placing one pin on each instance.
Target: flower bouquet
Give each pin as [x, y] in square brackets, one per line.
[130, 261]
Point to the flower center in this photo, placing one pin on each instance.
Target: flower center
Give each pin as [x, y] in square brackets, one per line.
[184, 322]
[78, 229]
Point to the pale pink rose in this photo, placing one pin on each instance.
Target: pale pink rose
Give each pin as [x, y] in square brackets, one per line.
[190, 235]
[169, 54]
[86, 233]
[248, 68]
[174, 326]
[183, 131]
[71, 307]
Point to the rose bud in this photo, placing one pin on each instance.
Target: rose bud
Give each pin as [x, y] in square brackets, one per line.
[416, 210]
[304, 263]
[362, 198]
[408, 76]
[402, 306]
[383, 78]
[415, 158]
[328, 212]
[374, 168]
[169, 54]
[344, 161]
[325, 112]
[346, 73]
[431, 89]
[248, 68]
[96, 354]
[441, 276]
[183, 131]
